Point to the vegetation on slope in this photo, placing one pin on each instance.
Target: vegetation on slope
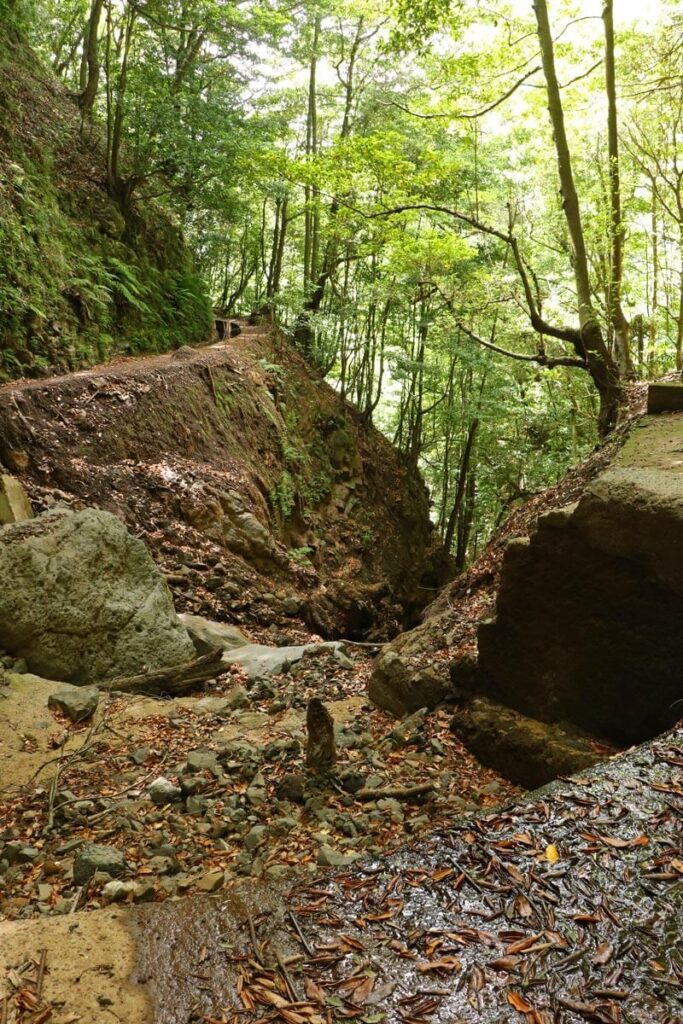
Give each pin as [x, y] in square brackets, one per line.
[78, 281]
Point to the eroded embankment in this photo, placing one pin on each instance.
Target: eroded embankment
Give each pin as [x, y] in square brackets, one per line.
[263, 495]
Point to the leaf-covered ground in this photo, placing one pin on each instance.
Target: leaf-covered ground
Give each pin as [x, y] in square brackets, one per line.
[560, 910]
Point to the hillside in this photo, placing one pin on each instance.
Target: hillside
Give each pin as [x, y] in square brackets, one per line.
[265, 498]
[78, 283]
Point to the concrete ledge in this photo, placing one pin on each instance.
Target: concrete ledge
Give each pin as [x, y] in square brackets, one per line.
[666, 397]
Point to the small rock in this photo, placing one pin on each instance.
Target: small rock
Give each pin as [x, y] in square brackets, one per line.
[202, 760]
[44, 892]
[330, 858]
[256, 792]
[352, 781]
[255, 837]
[78, 703]
[163, 791]
[196, 805]
[210, 882]
[94, 858]
[237, 698]
[291, 787]
[140, 755]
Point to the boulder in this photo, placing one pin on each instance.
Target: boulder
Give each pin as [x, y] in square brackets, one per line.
[523, 749]
[81, 599]
[397, 687]
[93, 858]
[14, 504]
[587, 625]
[259, 661]
[78, 702]
[215, 634]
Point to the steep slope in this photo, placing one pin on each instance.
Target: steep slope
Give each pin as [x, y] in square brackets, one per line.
[77, 282]
[264, 496]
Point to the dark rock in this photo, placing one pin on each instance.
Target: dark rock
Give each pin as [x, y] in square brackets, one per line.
[321, 752]
[79, 703]
[291, 787]
[587, 626]
[522, 749]
[397, 687]
[93, 859]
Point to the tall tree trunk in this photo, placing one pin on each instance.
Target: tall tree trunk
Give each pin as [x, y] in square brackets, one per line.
[460, 490]
[618, 321]
[90, 61]
[303, 331]
[310, 194]
[601, 366]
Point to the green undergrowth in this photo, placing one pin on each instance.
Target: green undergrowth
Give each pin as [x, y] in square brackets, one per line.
[78, 284]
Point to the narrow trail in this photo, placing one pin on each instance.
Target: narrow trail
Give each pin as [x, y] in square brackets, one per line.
[131, 366]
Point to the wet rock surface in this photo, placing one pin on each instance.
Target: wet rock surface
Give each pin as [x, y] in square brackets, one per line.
[563, 907]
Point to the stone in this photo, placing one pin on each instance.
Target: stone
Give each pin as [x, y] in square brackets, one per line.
[255, 837]
[210, 882]
[406, 730]
[666, 396]
[351, 781]
[237, 698]
[202, 760]
[82, 599]
[94, 858]
[291, 787]
[163, 791]
[14, 504]
[328, 857]
[260, 661]
[524, 750]
[215, 634]
[197, 805]
[397, 687]
[256, 791]
[78, 702]
[321, 751]
[588, 613]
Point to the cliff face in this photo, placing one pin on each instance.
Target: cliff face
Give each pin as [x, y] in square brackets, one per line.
[237, 457]
[78, 283]
[587, 624]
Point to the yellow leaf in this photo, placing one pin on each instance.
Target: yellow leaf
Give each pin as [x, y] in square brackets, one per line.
[552, 854]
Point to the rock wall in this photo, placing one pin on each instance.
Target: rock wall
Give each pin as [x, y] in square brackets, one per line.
[588, 617]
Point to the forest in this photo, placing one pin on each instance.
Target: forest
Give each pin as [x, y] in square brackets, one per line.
[341, 511]
[468, 216]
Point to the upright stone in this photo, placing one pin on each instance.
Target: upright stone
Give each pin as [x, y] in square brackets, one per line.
[14, 504]
[321, 751]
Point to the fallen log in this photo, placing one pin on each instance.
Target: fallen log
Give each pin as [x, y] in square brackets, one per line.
[172, 681]
[395, 792]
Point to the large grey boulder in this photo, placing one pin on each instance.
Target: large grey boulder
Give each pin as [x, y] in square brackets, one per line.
[81, 599]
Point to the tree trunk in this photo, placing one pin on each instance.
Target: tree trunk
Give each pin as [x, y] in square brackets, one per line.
[619, 323]
[90, 63]
[460, 491]
[590, 340]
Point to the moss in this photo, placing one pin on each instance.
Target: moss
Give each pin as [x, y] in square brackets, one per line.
[77, 284]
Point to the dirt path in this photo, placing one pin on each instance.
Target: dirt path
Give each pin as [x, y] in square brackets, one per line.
[127, 366]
